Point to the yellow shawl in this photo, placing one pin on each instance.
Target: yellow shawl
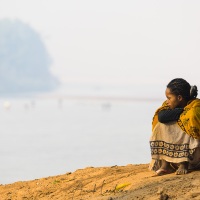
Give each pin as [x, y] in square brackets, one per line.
[189, 120]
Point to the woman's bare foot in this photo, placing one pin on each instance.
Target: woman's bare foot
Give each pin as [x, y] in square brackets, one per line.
[183, 168]
[164, 169]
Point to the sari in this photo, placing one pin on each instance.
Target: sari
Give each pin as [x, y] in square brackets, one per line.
[179, 141]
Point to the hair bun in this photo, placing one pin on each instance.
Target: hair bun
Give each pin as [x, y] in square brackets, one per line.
[193, 91]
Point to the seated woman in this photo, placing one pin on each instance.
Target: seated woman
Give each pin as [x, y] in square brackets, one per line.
[175, 140]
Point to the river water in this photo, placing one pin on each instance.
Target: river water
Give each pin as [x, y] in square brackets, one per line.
[49, 136]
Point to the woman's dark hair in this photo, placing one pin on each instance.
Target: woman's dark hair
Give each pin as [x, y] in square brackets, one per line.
[179, 86]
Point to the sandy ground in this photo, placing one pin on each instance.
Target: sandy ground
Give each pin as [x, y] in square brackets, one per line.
[129, 182]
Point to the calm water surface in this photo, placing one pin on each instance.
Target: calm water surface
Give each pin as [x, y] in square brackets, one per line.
[47, 137]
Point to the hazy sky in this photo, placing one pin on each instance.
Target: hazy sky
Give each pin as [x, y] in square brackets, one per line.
[116, 42]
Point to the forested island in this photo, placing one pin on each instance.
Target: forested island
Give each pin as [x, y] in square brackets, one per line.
[24, 60]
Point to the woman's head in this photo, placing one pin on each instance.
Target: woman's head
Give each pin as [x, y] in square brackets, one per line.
[179, 92]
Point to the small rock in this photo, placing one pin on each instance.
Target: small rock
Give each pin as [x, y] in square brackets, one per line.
[164, 197]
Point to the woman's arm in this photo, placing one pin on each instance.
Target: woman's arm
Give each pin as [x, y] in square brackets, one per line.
[165, 116]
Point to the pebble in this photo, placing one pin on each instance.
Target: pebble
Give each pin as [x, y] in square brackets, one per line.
[164, 197]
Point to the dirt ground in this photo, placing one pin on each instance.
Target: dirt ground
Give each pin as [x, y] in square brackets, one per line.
[129, 182]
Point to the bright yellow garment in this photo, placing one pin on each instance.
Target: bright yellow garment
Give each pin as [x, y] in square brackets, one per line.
[189, 120]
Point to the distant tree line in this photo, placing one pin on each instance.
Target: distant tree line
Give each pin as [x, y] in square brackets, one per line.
[24, 60]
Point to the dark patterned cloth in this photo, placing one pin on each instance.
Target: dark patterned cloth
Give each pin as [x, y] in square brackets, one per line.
[165, 116]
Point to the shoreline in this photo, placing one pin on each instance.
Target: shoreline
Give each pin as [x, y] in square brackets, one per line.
[133, 181]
